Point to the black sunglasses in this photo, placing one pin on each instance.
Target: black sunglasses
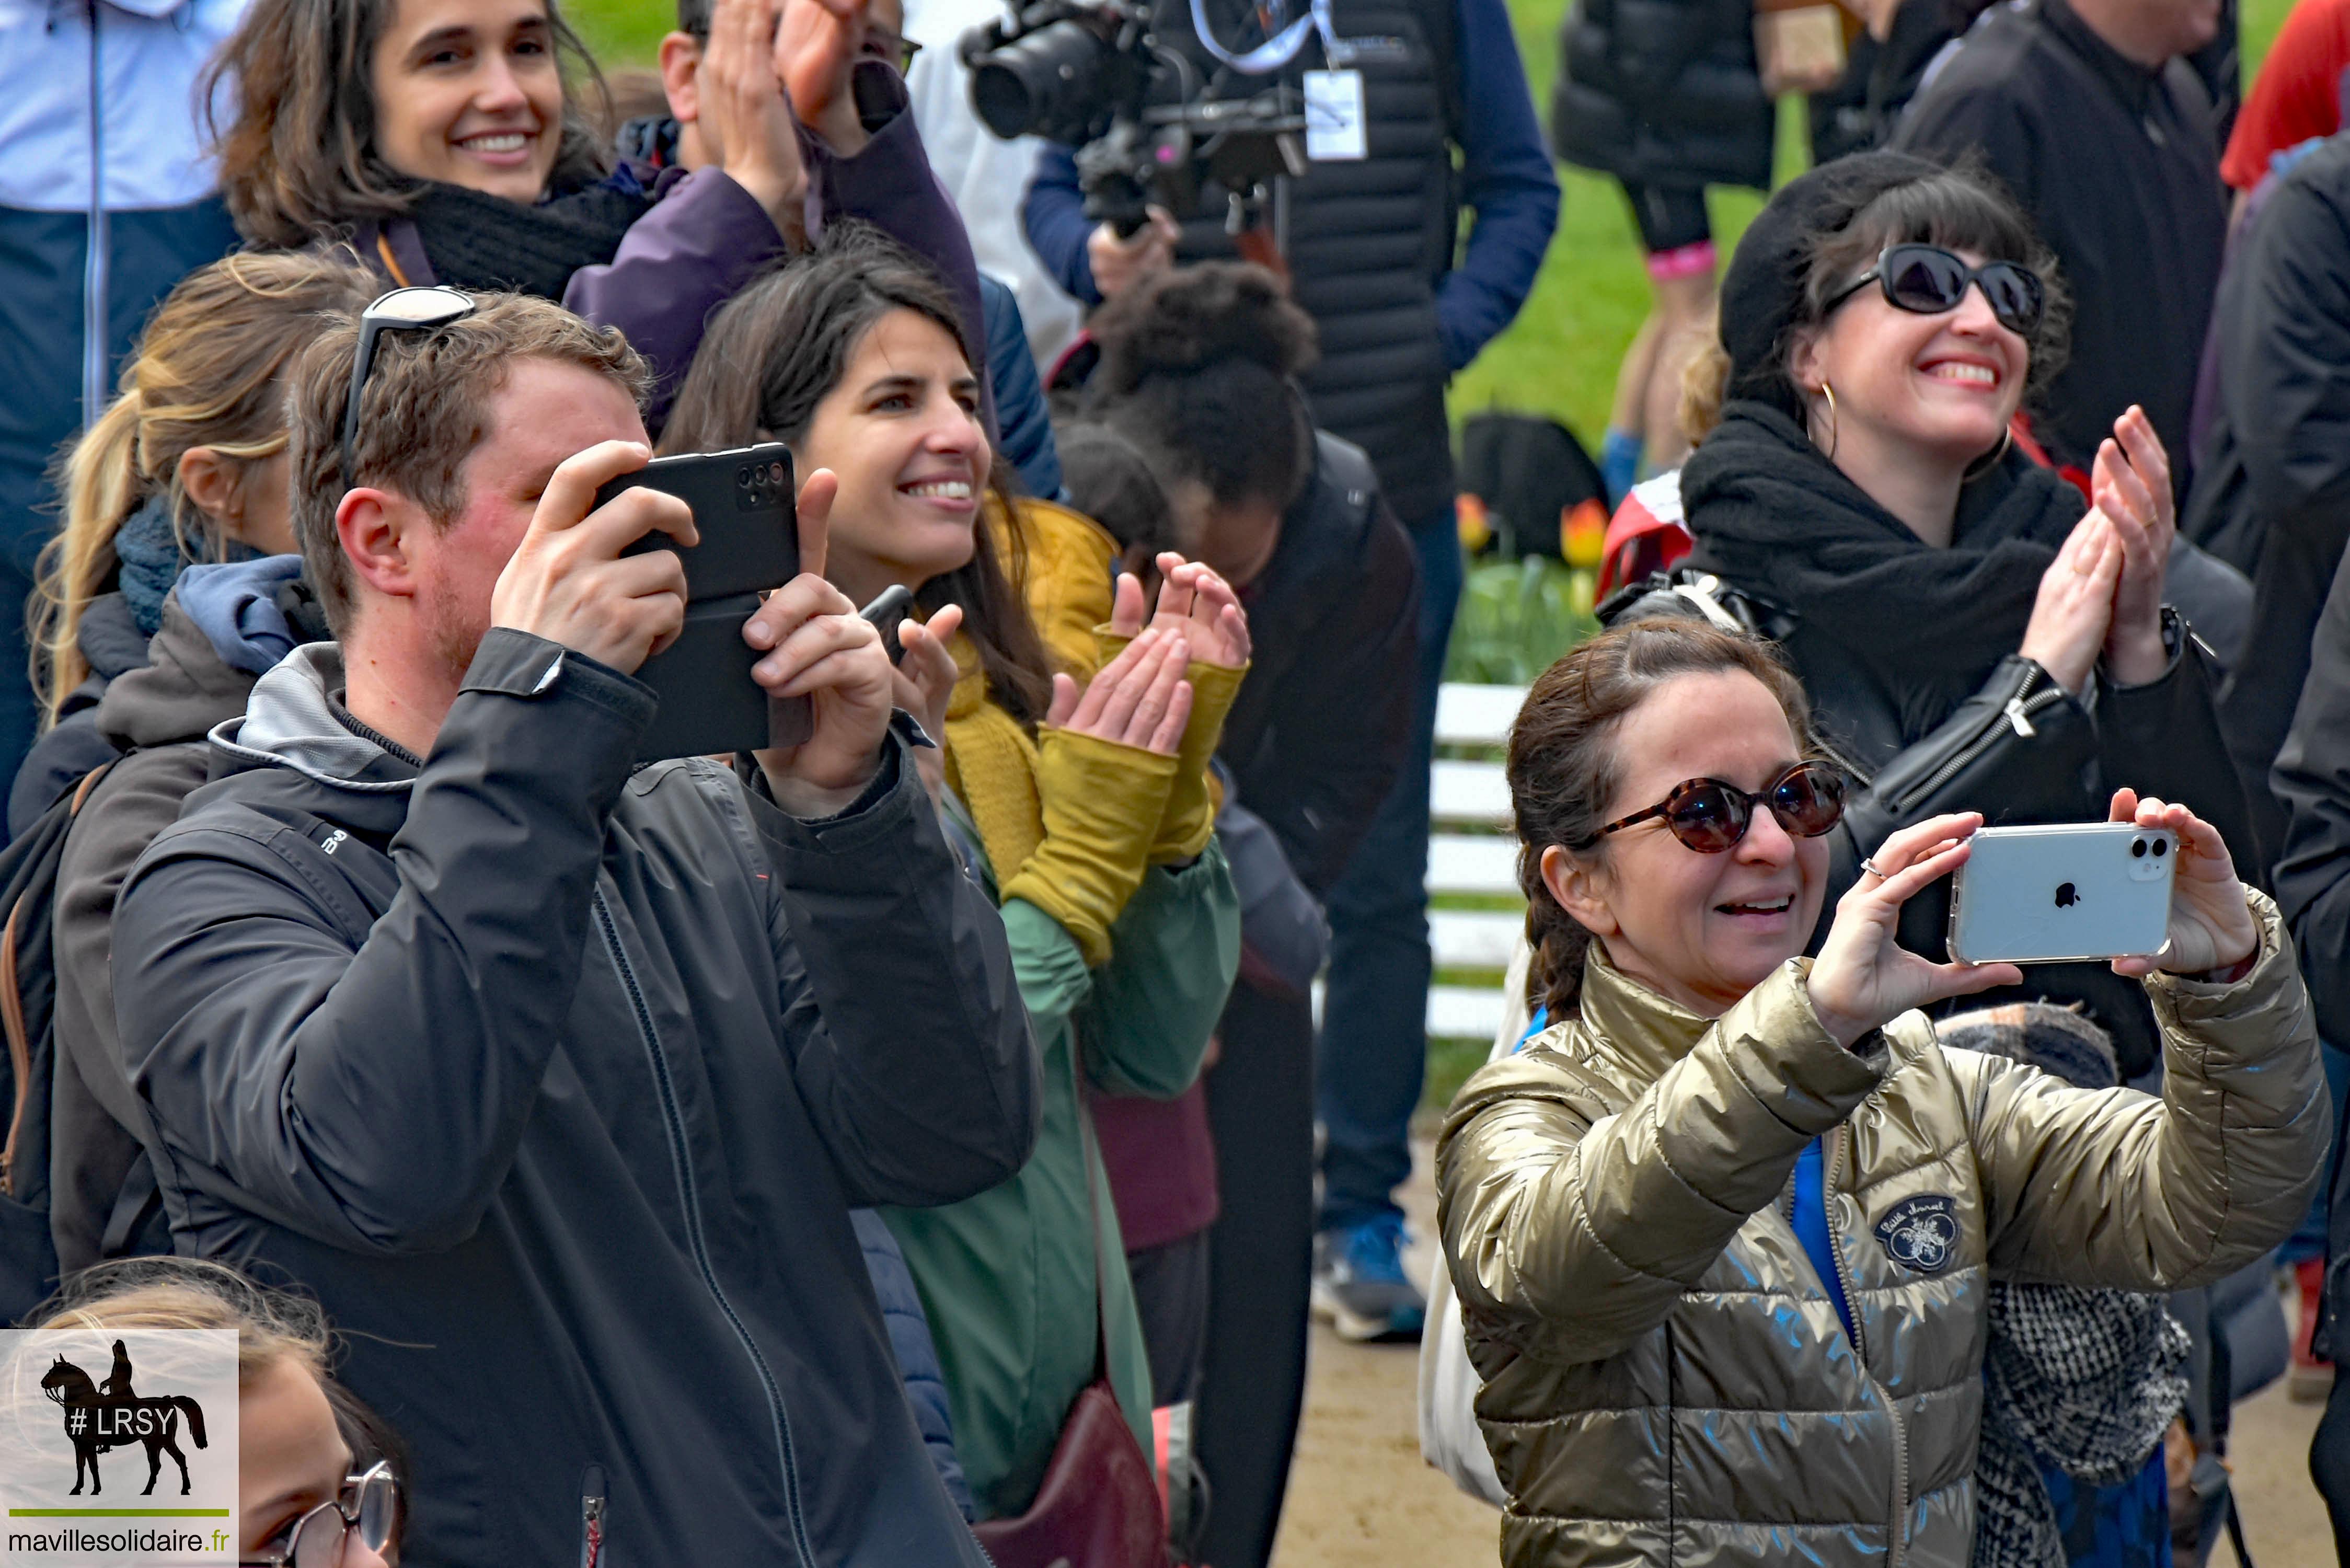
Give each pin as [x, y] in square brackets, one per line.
[1927, 280]
[1709, 816]
[320, 1538]
[419, 309]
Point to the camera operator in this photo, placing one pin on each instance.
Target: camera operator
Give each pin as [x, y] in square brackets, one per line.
[556, 1080]
[1371, 244]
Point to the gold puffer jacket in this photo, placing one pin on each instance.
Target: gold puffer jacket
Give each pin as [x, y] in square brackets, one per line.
[1666, 1379]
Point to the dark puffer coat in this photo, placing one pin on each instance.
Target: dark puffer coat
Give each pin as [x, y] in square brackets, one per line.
[1662, 92]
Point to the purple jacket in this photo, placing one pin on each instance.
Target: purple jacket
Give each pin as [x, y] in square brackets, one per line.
[705, 237]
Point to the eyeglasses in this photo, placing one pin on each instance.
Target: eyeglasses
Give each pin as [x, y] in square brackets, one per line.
[418, 309]
[1927, 280]
[881, 44]
[1709, 816]
[321, 1538]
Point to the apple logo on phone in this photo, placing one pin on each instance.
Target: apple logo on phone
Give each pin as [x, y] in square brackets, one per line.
[2065, 895]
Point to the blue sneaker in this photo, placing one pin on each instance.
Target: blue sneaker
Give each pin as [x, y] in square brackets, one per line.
[1359, 1286]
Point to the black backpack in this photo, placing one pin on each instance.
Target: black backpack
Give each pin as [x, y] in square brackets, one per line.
[1529, 475]
[28, 989]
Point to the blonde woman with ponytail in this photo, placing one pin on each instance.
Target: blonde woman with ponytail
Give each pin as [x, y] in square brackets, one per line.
[187, 466]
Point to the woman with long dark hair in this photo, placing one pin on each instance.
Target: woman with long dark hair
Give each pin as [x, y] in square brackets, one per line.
[1073, 774]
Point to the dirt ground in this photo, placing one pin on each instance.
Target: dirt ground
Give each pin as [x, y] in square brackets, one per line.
[1360, 1495]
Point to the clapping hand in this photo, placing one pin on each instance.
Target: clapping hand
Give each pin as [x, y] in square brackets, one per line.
[2211, 926]
[740, 109]
[1862, 978]
[2072, 614]
[2131, 486]
[1193, 601]
[925, 681]
[1139, 699]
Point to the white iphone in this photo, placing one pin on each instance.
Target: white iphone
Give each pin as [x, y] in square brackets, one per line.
[2063, 893]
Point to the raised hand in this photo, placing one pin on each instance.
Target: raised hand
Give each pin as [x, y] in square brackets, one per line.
[2131, 485]
[1863, 979]
[821, 650]
[1139, 699]
[568, 581]
[2075, 609]
[816, 50]
[2211, 926]
[925, 681]
[1119, 263]
[741, 112]
[1193, 601]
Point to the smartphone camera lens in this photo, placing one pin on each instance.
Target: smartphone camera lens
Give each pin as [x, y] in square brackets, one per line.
[2159, 848]
[2138, 848]
[775, 472]
[742, 475]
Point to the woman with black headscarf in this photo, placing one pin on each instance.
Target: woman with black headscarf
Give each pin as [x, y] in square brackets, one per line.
[1969, 638]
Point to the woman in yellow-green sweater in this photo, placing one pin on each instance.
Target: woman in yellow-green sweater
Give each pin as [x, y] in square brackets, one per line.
[1074, 772]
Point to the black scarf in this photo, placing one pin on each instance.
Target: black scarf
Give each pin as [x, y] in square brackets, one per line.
[481, 242]
[1773, 515]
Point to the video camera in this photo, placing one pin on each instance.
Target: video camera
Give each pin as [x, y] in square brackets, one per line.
[1146, 126]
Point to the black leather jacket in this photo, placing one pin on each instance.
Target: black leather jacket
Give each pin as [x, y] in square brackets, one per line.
[2019, 751]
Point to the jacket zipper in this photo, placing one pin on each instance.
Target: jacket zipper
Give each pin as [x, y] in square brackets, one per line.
[683, 1169]
[1899, 1547]
[591, 1517]
[2017, 710]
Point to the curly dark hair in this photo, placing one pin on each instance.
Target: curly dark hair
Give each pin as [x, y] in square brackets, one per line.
[1199, 369]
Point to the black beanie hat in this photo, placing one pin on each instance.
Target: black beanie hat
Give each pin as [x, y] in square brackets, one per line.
[1763, 291]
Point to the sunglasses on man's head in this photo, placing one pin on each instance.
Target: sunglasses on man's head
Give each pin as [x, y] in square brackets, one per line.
[1711, 816]
[1927, 280]
[418, 309]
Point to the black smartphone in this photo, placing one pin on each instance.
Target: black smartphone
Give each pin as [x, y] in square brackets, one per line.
[743, 509]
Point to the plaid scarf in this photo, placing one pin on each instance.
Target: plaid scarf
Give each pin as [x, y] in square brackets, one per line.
[2088, 1380]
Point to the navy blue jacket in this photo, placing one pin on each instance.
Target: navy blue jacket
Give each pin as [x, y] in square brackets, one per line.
[1023, 423]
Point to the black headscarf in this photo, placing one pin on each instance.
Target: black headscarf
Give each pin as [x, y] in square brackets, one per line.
[1764, 284]
[1770, 514]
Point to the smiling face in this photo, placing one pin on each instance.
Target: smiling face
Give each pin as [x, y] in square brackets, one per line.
[1701, 930]
[901, 430]
[468, 92]
[1936, 389]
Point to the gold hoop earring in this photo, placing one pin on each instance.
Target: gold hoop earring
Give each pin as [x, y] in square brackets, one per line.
[1998, 455]
[1835, 432]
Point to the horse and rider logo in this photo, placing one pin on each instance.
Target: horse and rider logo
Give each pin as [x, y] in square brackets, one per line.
[111, 1415]
[1921, 1234]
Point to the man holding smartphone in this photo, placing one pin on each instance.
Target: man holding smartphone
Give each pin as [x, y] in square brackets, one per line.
[555, 1081]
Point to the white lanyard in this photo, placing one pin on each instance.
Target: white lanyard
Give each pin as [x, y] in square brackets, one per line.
[1285, 46]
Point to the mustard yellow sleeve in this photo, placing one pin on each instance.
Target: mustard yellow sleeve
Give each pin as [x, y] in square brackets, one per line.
[1101, 802]
[1185, 826]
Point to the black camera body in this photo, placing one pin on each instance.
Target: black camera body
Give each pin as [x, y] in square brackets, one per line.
[1147, 128]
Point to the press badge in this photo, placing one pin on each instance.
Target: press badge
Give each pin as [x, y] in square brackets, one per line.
[1333, 116]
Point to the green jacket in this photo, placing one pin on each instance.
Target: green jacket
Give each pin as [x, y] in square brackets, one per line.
[1007, 1277]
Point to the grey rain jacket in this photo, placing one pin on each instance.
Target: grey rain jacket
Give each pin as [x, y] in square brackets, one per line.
[555, 1081]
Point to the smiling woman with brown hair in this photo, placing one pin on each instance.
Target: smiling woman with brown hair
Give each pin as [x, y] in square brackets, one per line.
[1722, 1233]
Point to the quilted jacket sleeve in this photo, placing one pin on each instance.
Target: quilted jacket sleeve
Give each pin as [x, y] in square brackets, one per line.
[2118, 1189]
[1572, 1227]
